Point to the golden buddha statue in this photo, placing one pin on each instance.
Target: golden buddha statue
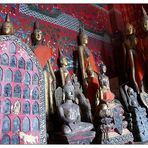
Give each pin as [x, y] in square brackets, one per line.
[63, 69]
[133, 67]
[7, 27]
[43, 54]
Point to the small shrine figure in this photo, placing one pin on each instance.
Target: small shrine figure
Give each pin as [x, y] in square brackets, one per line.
[7, 27]
[63, 69]
[69, 113]
[88, 68]
[109, 120]
[138, 118]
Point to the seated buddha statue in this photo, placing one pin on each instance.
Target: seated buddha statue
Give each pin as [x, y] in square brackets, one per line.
[7, 27]
[109, 119]
[69, 112]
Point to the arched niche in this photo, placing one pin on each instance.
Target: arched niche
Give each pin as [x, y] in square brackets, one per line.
[26, 124]
[17, 76]
[17, 91]
[13, 61]
[35, 108]
[7, 90]
[26, 107]
[35, 94]
[29, 65]
[27, 78]
[21, 63]
[8, 75]
[26, 92]
[5, 59]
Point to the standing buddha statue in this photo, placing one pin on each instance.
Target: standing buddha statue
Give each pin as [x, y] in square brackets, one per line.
[63, 69]
[133, 64]
[144, 42]
[86, 61]
[43, 54]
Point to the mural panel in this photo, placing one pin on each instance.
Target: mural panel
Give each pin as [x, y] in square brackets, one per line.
[20, 100]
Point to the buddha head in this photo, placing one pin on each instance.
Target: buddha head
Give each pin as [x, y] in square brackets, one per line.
[145, 20]
[130, 91]
[83, 38]
[103, 68]
[63, 60]
[37, 35]
[7, 27]
[69, 89]
[129, 29]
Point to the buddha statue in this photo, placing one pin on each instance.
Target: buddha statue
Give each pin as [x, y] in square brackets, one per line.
[92, 86]
[144, 45]
[138, 121]
[104, 93]
[82, 101]
[85, 56]
[7, 27]
[88, 68]
[43, 54]
[109, 120]
[133, 59]
[63, 69]
[69, 112]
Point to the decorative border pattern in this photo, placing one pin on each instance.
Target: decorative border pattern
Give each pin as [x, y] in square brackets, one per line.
[41, 84]
[63, 20]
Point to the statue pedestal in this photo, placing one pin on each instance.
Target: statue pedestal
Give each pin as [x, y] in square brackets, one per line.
[77, 138]
[114, 138]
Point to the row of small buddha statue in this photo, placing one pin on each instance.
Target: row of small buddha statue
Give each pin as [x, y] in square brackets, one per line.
[104, 111]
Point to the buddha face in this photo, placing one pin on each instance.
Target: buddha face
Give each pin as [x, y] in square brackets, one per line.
[70, 92]
[130, 91]
[145, 24]
[64, 61]
[7, 28]
[129, 29]
[38, 35]
[103, 68]
[84, 39]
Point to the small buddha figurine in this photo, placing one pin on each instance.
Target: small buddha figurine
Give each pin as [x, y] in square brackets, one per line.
[132, 97]
[138, 119]
[133, 59]
[7, 27]
[63, 69]
[92, 85]
[70, 112]
[104, 92]
[43, 54]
